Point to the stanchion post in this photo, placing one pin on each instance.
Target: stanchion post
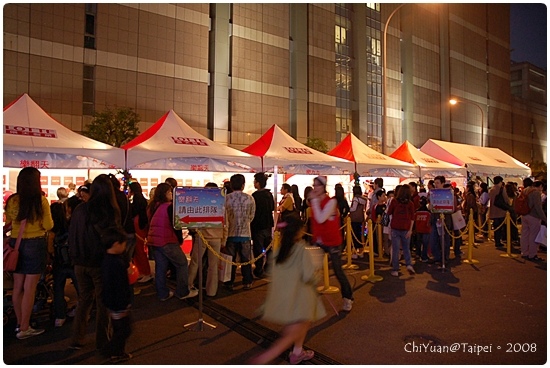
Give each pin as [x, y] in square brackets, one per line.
[442, 240]
[508, 253]
[199, 325]
[326, 288]
[371, 277]
[276, 239]
[349, 265]
[491, 233]
[471, 239]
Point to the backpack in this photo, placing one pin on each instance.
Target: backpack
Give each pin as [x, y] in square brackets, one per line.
[359, 214]
[521, 204]
[61, 249]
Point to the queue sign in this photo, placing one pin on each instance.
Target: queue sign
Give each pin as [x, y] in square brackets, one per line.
[198, 208]
[442, 200]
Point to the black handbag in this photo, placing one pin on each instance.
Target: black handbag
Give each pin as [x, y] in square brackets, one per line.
[500, 202]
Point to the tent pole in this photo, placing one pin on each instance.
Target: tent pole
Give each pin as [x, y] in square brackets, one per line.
[275, 172]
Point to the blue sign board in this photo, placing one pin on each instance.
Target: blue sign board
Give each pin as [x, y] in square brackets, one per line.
[198, 207]
[442, 200]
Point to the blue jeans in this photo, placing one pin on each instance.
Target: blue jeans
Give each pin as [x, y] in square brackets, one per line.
[423, 244]
[60, 275]
[357, 229]
[335, 255]
[398, 239]
[171, 254]
[244, 250]
[260, 241]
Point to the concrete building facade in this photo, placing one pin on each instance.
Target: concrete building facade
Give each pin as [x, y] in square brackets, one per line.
[233, 70]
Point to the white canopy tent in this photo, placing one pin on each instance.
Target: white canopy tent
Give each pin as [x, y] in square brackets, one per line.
[428, 166]
[369, 162]
[482, 161]
[277, 148]
[171, 144]
[34, 138]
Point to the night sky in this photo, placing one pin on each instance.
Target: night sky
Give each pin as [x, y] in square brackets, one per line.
[528, 33]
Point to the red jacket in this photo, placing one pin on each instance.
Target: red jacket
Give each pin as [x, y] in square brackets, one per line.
[326, 233]
[402, 214]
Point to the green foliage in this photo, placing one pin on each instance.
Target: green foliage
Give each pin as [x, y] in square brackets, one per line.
[115, 126]
[539, 169]
[317, 144]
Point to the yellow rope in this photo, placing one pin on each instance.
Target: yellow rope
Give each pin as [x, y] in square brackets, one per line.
[460, 233]
[225, 260]
[358, 241]
[501, 225]
[480, 228]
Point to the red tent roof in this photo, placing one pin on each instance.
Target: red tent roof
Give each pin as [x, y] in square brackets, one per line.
[370, 162]
[276, 147]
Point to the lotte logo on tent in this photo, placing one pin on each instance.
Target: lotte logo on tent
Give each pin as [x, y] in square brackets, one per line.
[33, 132]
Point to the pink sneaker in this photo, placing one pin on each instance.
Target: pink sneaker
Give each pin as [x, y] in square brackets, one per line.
[304, 355]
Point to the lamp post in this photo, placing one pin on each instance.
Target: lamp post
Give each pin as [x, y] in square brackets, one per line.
[454, 101]
[384, 71]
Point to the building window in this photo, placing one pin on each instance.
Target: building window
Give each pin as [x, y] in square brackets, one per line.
[374, 77]
[88, 95]
[89, 31]
[342, 41]
[515, 75]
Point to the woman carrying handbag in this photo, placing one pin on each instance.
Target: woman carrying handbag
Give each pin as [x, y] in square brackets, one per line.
[28, 204]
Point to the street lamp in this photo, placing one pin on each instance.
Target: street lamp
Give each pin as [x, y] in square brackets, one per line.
[454, 101]
[384, 71]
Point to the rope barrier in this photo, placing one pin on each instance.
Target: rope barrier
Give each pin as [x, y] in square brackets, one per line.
[253, 260]
[469, 229]
[460, 233]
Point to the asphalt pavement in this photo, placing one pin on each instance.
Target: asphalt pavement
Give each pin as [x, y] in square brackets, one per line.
[491, 312]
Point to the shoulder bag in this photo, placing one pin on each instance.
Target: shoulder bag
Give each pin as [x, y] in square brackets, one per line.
[11, 255]
[500, 202]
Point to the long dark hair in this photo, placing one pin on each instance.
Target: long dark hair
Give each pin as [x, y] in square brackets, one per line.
[102, 206]
[159, 197]
[30, 195]
[290, 231]
[139, 204]
[403, 195]
[59, 217]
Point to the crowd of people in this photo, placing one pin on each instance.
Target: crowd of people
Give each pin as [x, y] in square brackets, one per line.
[94, 234]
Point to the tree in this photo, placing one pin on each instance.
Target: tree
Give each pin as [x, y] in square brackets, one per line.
[538, 169]
[116, 126]
[317, 144]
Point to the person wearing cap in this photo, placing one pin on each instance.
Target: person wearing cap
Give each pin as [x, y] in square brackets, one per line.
[325, 226]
